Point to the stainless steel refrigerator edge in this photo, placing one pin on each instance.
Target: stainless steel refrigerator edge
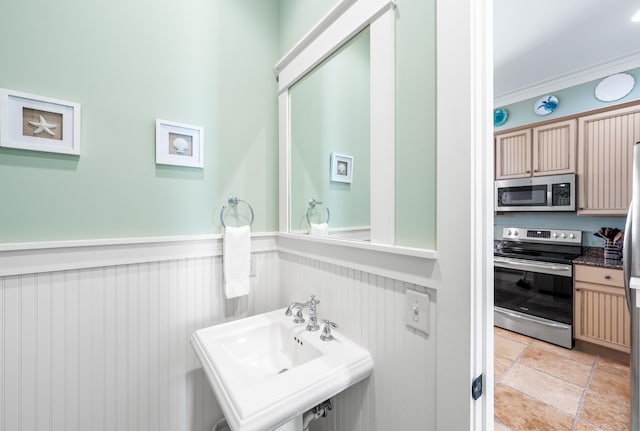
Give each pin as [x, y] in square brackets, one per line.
[631, 257]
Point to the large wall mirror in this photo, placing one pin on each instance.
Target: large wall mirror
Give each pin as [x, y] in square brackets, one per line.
[330, 157]
[336, 126]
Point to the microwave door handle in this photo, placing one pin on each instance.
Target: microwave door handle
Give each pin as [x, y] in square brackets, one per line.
[549, 196]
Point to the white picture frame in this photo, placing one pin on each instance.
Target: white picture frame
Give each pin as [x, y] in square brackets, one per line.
[341, 168]
[39, 123]
[179, 144]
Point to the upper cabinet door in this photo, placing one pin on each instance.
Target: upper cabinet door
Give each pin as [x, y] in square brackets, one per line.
[605, 157]
[513, 155]
[554, 148]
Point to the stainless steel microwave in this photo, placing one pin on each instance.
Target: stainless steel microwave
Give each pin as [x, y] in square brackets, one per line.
[546, 193]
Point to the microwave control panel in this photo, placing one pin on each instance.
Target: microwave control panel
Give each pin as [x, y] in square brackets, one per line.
[561, 194]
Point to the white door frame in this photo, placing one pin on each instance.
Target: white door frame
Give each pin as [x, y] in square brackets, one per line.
[465, 209]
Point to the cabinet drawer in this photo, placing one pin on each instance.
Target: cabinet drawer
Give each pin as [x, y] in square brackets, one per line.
[594, 274]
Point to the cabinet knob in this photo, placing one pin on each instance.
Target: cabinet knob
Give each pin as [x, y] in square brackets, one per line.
[578, 289]
[535, 170]
[528, 172]
[607, 277]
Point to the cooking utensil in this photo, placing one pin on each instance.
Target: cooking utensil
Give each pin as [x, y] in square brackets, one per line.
[600, 235]
[618, 237]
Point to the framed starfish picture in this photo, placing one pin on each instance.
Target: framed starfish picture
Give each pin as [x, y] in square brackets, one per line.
[38, 123]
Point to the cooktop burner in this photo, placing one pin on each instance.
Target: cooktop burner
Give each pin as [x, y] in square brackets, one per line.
[540, 244]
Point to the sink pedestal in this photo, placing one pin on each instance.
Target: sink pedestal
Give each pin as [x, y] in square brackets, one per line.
[294, 424]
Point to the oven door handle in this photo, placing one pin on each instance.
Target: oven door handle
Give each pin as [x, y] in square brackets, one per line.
[528, 265]
[534, 319]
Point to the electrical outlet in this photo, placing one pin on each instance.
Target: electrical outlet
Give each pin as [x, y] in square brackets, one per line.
[417, 311]
[252, 267]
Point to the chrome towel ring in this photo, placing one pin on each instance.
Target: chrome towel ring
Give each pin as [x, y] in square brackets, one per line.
[312, 205]
[233, 202]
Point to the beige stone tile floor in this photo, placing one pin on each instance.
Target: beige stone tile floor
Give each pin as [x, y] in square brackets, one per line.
[543, 387]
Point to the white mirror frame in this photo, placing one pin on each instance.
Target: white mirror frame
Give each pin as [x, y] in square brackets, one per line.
[342, 23]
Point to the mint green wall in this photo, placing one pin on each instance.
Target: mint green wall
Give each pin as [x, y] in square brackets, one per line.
[330, 112]
[202, 62]
[416, 123]
[572, 100]
[296, 18]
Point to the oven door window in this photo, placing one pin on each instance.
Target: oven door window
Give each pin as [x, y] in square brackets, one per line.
[542, 295]
[523, 196]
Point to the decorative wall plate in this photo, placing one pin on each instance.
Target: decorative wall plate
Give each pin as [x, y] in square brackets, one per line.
[545, 105]
[499, 117]
[614, 87]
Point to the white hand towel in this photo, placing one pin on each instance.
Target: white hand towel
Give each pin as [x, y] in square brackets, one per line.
[236, 260]
[319, 229]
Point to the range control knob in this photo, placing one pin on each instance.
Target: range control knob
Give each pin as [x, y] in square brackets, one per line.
[564, 235]
[571, 236]
[515, 233]
[509, 232]
[555, 234]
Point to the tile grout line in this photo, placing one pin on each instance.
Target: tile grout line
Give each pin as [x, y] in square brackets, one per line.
[581, 401]
[585, 390]
[514, 361]
[557, 409]
[584, 394]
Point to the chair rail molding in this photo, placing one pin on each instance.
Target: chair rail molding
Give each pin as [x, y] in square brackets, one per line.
[36, 257]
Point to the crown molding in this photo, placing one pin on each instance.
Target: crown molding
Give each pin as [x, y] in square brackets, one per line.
[569, 79]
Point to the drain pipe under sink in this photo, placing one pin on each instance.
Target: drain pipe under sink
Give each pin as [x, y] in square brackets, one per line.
[319, 411]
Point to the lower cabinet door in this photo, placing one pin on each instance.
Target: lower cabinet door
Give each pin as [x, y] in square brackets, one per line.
[601, 316]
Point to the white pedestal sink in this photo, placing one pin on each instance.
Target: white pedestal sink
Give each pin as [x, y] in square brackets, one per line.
[266, 371]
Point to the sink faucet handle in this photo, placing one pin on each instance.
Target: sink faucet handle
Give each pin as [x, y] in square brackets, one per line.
[289, 309]
[328, 322]
[299, 318]
[313, 300]
[326, 331]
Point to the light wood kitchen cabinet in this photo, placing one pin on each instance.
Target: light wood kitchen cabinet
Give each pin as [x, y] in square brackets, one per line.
[513, 154]
[605, 150]
[549, 149]
[600, 308]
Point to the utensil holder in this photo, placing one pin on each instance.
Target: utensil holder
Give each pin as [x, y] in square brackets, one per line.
[611, 250]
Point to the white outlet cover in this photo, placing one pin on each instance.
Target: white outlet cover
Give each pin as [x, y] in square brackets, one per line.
[417, 306]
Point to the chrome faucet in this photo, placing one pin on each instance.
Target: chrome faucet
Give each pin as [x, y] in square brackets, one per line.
[313, 315]
[326, 331]
[298, 317]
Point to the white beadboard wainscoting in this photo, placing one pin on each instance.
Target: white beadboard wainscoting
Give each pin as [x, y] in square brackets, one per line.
[94, 334]
[105, 348]
[370, 309]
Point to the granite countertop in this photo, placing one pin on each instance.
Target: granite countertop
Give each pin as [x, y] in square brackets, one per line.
[594, 256]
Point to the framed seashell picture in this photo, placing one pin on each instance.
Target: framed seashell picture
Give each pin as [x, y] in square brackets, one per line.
[179, 144]
[341, 168]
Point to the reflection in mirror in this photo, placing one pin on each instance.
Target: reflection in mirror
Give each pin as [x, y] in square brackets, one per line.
[330, 156]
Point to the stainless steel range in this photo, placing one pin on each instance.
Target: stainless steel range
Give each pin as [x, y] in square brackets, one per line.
[533, 282]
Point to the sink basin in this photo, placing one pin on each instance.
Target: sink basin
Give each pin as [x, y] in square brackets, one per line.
[266, 370]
